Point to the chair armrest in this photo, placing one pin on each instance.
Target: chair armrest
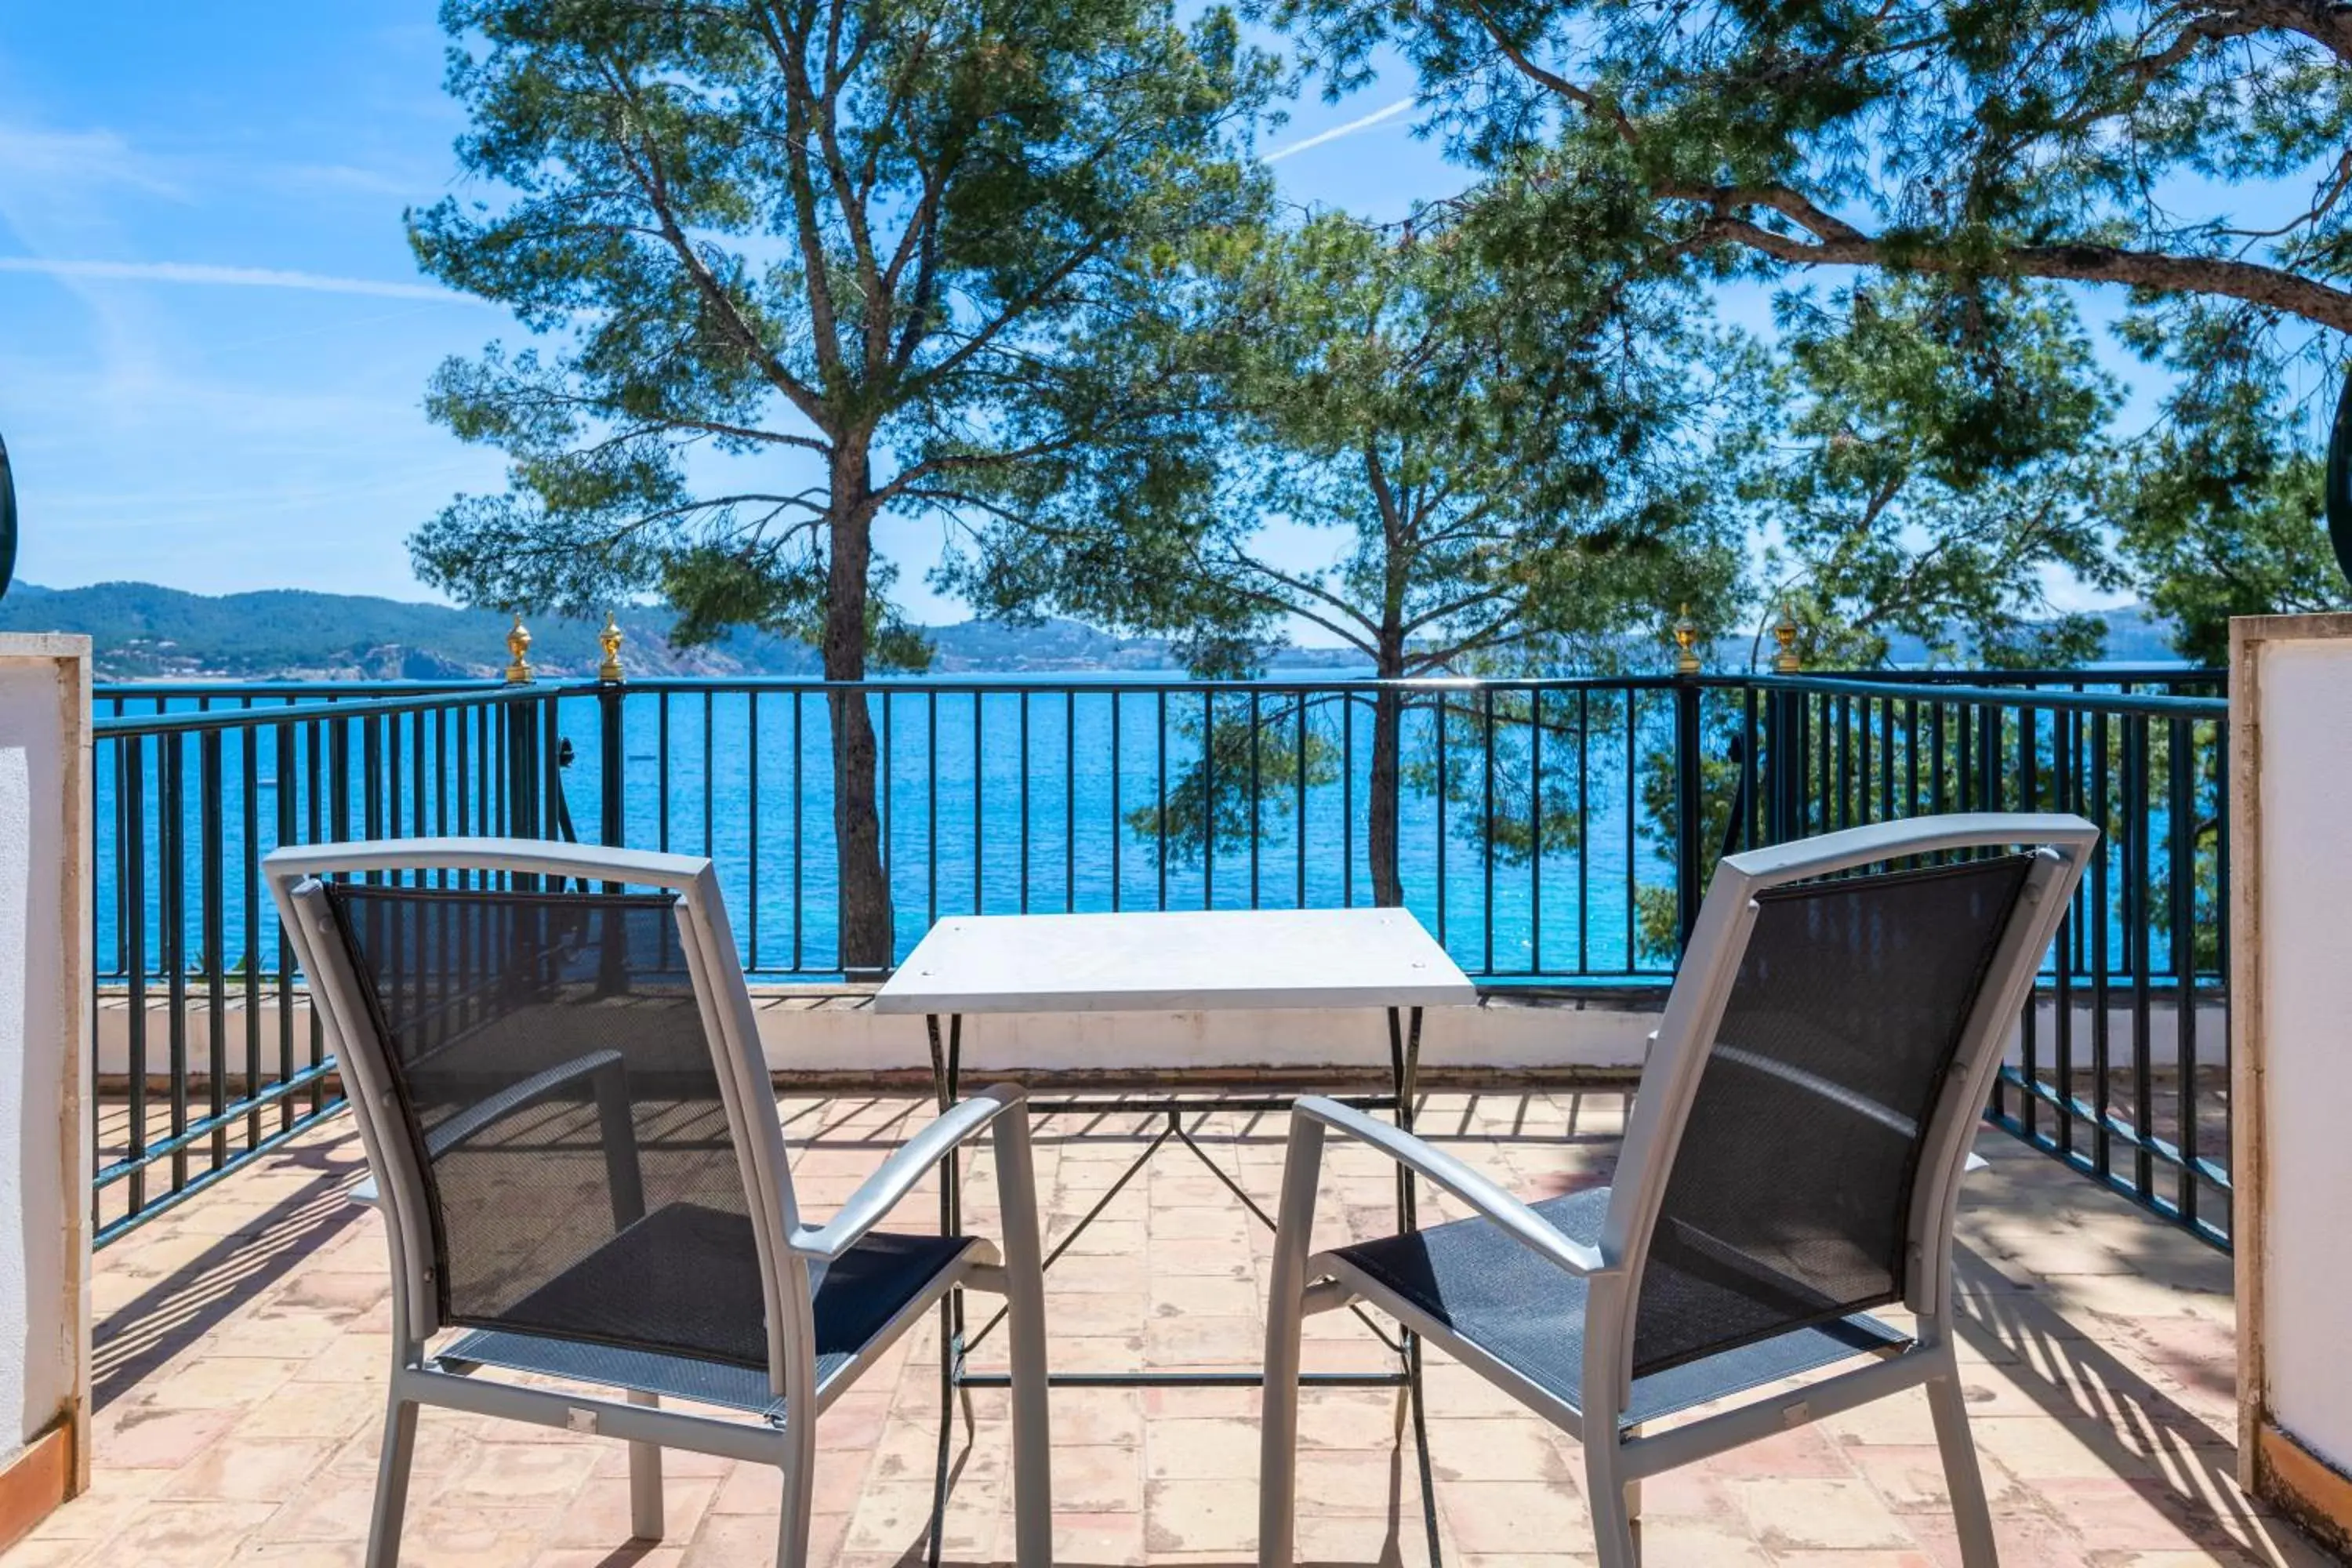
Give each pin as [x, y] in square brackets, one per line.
[896, 1177]
[1524, 1226]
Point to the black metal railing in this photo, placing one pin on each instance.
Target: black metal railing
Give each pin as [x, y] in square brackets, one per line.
[2121, 1065]
[1550, 833]
[205, 1057]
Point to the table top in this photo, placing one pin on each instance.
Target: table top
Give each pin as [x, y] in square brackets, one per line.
[1175, 960]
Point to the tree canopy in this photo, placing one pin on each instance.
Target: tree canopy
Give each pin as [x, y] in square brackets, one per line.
[2197, 156]
[797, 263]
[1931, 457]
[1504, 466]
[2045, 140]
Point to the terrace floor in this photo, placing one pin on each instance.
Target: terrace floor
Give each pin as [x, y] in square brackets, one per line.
[242, 1341]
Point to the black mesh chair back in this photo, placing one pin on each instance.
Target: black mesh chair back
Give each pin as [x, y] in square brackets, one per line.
[559, 1093]
[1789, 1201]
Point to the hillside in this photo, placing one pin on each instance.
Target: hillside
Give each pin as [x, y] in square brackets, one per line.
[145, 632]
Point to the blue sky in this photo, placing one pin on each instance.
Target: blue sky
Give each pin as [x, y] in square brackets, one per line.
[213, 340]
[214, 343]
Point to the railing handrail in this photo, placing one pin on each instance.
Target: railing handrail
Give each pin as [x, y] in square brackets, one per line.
[198, 719]
[2087, 675]
[2124, 702]
[2070, 689]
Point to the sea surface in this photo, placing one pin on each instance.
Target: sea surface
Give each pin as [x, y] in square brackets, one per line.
[1022, 796]
[1077, 791]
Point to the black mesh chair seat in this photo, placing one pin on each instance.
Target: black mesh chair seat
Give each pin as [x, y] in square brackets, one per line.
[699, 1269]
[1491, 1290]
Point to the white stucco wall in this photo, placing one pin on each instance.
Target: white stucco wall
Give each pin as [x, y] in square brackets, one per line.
[44, 1024]
[2304, 724]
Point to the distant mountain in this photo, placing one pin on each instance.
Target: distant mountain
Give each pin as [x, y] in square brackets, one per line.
[145, 632]
[2136, 635]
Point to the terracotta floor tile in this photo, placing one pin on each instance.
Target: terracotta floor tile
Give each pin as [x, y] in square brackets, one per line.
[2102, 1397]
[1798, 1513]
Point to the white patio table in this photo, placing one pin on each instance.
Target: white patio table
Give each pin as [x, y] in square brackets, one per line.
[1180, 961]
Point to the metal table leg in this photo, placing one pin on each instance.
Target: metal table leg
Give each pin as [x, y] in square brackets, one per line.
[947, 1071]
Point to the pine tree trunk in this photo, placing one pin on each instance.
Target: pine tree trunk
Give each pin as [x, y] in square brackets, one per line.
[866, 935]
[1387, 740]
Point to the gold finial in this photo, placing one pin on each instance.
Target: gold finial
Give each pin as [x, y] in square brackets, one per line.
[1686, 635]
[518, 669]
[1786, 661]
[610, 637]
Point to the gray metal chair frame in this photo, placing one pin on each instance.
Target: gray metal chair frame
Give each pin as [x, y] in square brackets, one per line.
[785, 1435]
[1619, 1454]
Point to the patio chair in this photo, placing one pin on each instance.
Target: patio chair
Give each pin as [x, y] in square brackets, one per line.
[574, 1142]
[1793, 1159]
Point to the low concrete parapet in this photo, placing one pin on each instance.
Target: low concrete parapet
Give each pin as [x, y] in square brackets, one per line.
[831, 1034]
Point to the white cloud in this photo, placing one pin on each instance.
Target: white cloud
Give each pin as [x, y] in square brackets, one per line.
[231, 276]
[1364, 122]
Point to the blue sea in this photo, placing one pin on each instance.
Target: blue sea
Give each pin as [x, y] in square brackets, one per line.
[1021, 797]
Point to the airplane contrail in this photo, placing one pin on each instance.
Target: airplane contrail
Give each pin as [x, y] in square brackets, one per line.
[231, 276]
[1390, 112]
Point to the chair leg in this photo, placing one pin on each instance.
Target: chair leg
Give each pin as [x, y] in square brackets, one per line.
[1024, 1312]
[392, 1483]
[1278, 1407]
[1971, 1513]
[1632, 1490]
[1610, 1498]
[645, 1480]
[799, 1464]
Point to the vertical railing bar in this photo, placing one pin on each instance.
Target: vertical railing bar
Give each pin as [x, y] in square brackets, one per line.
[1024, 804]
[171, 783]
[2221, 943]
[1117, 822]
[291, 771]
[2103, 1143]
[211, 843]
[319, 772]
[1208, 798]
[1534, 829]
[2138, 922]
[932, 809]
[130, 781]
[661, 769]
[1584, 821]
[1347, 800]
[1299, 791]
[1487, 718]
[800, 830]
[2029, 1028]
[979, 814]
[1257, 791]
[1632, 862]
[1070, 803]
[1441, 798]
[2181, 761]
[752, 828]
[1159, 796]
[249, 817]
